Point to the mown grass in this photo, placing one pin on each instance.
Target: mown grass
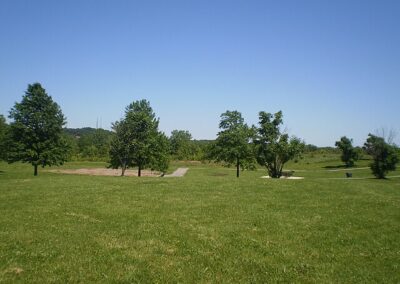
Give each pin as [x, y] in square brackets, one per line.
[206, 227]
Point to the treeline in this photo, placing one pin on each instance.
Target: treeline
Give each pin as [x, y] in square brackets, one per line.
[91, 144]
[88, 144]
[36, 135]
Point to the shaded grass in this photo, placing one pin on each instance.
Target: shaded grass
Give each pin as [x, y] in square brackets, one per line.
[205, 227]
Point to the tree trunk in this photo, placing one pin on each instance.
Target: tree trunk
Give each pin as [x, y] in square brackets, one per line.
[123, 171]
[139, 173]
[280, 170]
[237, 167]
[35, 170]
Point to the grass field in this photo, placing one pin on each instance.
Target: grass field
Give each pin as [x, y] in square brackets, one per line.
[208, 226]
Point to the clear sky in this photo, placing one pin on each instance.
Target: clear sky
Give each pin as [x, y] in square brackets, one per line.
[332, 67]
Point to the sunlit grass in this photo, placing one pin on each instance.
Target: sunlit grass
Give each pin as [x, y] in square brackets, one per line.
[208, 226]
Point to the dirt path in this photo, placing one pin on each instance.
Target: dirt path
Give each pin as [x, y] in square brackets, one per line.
[180, 172]
[104, 172]
[282, 177]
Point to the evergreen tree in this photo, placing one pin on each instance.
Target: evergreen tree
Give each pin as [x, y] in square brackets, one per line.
[36, 130]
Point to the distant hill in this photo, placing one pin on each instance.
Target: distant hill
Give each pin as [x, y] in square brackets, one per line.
[79, 132]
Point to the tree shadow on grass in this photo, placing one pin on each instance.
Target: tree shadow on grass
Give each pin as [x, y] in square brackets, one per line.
[336, 167]
[218, 174]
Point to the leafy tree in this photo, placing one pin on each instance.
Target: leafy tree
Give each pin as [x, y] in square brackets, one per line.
[161, 148]
[349, 153]
[274, 148]
[385, 156]
[3, 137]
[233, 144]
[137, 141]
[181, 145]
[73, 147]
[121, 147]
[36, 130]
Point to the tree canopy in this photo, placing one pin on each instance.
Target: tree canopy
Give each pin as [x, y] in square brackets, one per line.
[233, 145]
[349, 153]
[275, 148]
[384, 155]
[137, 141]
[36, 130]
[182, 147]
[3, 136]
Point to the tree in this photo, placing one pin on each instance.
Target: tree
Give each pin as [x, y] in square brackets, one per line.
[349, 153]
[137, 141]
[3, 136]
[388, 134]
[384, 155]
[36, 130]
[233, 144]
[120, 147]
[181, 145]
[160, 157]
[274, 148]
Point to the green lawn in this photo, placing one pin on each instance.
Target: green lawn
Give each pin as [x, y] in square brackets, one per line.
[208, 226]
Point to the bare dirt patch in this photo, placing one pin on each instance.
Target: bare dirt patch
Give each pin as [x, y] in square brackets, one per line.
[180, 172]
[192, 162]
[14, 270]
[105, 172]
[283, 177]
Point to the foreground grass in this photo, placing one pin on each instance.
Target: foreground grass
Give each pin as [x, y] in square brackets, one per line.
[205, 227]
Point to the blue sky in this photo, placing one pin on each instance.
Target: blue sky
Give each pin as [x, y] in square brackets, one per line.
[332, 67]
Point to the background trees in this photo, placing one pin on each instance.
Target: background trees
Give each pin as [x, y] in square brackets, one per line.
[3, 135]
[89, 144]
[384, 155]
[274, 148]
[182, 147]
[36, 135]
[36, 130]
[349, 153]
[94, 145]
[137, 141]
[233, 144]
